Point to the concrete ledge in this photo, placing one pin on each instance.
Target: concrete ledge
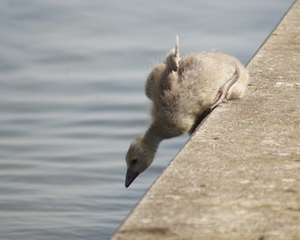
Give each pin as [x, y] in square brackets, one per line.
[238, 177]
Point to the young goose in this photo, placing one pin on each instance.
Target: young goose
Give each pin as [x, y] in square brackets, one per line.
[184, 91]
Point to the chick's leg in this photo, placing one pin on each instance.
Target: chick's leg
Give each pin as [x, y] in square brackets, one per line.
[222, 93]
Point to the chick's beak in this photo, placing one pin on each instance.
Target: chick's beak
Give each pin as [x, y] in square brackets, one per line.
[130, 176]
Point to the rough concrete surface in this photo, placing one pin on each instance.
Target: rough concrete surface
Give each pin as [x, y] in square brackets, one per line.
[238, 177]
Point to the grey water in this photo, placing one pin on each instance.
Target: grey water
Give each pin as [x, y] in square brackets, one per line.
[71, 100]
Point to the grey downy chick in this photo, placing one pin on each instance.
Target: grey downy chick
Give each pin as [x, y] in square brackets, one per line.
[183, 92]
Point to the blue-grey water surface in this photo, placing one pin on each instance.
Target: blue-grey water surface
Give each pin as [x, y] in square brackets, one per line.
[71, 100]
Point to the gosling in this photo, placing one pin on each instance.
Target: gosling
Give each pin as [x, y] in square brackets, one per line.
[184, 91]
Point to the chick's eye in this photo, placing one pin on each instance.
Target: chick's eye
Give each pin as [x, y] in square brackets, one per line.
[134, 161]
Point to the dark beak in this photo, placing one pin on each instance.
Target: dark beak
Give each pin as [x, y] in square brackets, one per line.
[130, 176]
